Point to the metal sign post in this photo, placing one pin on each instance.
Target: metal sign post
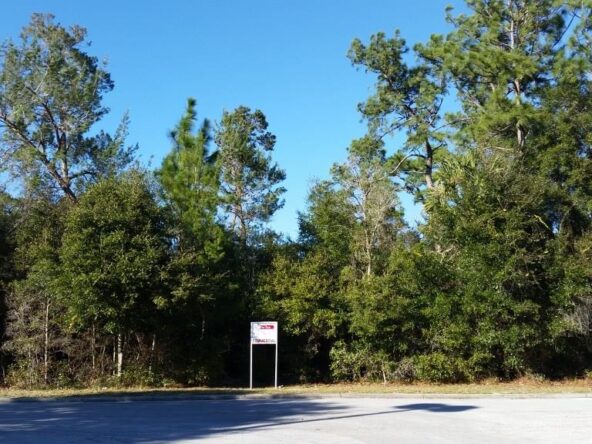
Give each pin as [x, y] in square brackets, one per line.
[263, 333]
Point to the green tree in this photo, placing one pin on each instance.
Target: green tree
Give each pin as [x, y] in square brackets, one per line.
[50, 97]
[372, 195]
[488, 225]
[199, 279]
[346, 238]
[302, 286]
[114, 256]
[7, 248]
[510, 208]
[511, 204]
[250, 193]
[250, 181]
[503, 59]
[34, 331]
[190, 180]
[408, 100]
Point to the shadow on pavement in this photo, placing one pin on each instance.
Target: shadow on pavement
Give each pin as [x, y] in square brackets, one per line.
[437, 407]
[143, 421]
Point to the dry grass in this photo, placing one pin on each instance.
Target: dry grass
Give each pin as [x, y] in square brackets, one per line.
[523, 386]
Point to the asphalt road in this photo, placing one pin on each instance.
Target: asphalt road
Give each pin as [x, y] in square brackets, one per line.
[299, 420]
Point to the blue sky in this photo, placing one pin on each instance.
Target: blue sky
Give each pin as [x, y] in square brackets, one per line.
[287, 58]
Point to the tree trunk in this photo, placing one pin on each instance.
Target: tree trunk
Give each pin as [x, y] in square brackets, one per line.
[31, 368]
[93, 344]
[102, 370]
[429, 165]
[113, 362]
[368, 243]
[46, 344]
[151, 357]
[119, 355]
[513, 35]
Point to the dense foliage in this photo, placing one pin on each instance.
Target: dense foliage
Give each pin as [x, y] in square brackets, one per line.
[113, 274]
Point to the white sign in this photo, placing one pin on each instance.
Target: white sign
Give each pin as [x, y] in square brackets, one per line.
[264, 332]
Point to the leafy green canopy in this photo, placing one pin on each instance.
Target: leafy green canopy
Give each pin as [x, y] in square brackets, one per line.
[190, 180]
[497, 281]
[50, 97]
[511, 205]
[114, 255]
[250, 181]
[408, 99]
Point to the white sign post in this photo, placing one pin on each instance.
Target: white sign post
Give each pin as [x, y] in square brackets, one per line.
[263, 333]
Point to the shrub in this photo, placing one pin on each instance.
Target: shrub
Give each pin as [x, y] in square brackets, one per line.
[357, 362]
[437, 367]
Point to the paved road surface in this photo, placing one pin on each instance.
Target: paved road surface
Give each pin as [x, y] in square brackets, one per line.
[299, 420]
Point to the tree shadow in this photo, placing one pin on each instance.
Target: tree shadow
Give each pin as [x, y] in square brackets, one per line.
[437, 407]
[165, 420]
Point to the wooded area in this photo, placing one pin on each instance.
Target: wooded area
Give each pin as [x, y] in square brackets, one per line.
[114, 274]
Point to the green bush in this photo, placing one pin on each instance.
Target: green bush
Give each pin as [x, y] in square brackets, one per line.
[138, 376]
[405, 370]
[358, 362]
[22, 374]
[437, 367]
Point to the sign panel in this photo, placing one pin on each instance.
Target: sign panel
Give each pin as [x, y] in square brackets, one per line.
[264, 333]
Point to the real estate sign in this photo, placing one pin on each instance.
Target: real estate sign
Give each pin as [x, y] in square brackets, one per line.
[263, 333]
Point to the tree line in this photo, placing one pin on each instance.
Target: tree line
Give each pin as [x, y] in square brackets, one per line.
[111, 273]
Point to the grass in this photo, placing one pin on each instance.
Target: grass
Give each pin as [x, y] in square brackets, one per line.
[524, 386]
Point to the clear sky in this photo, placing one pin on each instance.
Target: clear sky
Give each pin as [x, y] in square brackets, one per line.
[285, 57]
